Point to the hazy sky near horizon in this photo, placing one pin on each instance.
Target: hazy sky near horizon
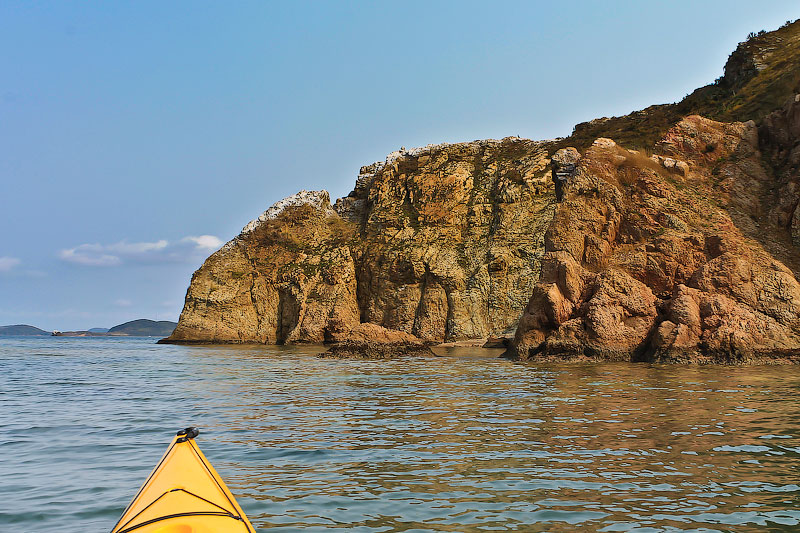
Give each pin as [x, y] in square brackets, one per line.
[136, 137]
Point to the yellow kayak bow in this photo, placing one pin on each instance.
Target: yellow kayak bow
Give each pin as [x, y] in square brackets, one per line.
[184, 494]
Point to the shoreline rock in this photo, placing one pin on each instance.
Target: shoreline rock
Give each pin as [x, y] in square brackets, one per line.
[375, 350]
[646, 263]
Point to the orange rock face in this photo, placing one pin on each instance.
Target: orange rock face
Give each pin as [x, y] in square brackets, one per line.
[664, 258]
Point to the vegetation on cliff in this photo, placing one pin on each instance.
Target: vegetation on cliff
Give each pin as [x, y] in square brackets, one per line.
[758, 78]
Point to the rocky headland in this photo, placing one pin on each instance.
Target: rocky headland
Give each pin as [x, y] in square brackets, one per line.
[433, 244]
[677, 241]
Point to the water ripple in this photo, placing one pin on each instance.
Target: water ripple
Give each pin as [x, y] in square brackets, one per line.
[456, 443]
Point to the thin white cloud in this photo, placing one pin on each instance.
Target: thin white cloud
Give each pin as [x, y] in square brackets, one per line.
[136, 248]
[189, 248]
[89, 255]
[7, 263]
[122, 302]
[205, 242]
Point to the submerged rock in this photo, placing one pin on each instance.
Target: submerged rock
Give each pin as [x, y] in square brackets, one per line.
[376, 350]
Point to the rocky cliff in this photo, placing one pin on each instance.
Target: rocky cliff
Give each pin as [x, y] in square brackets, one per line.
[683, 249]
[664, 257]
[437, 243]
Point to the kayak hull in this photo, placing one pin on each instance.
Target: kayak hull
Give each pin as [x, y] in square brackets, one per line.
[183, 494]
[198, 524]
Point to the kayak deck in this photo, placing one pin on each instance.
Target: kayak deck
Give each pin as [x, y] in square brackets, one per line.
[183, 494]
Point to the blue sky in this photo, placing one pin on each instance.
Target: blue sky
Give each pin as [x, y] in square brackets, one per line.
[137, 136]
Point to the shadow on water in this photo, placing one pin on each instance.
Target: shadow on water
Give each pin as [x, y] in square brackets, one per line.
[461, 442]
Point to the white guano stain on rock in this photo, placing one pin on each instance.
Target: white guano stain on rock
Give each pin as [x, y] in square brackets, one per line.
[318, 199]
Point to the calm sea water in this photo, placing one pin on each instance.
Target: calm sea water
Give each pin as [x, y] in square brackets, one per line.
[463, 442]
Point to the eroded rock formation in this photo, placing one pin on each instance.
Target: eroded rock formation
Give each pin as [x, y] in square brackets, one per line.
[644, 259]
[438, 243]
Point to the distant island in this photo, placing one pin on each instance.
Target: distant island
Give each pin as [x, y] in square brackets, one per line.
[22, 329]
[144, 328]
[135, 328]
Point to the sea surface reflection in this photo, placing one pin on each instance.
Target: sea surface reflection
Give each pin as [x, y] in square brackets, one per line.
[461, 442]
